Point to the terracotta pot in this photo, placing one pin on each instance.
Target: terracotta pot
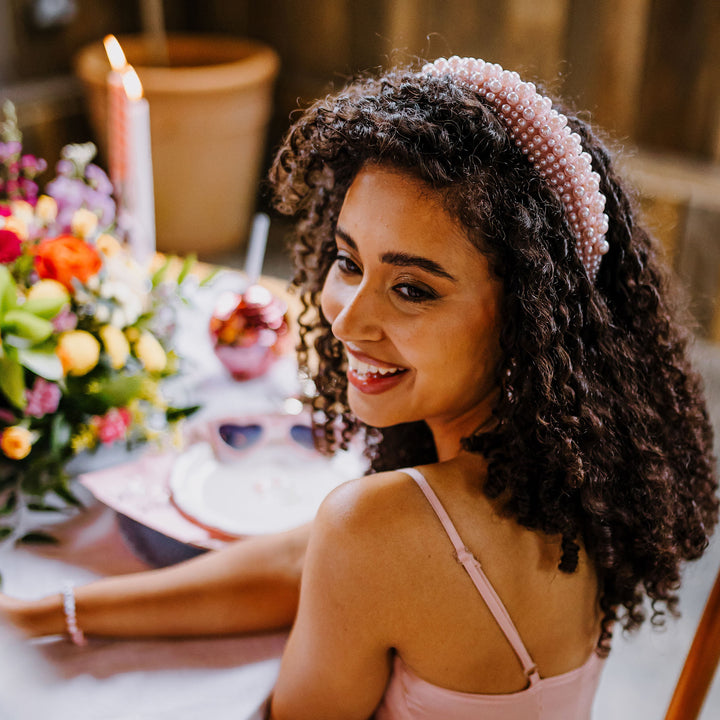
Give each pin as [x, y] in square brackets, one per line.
[209, 111]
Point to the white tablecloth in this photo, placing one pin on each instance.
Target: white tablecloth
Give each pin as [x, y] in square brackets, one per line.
[117, 679]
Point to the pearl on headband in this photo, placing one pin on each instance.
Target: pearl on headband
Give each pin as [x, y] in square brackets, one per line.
[543, 135]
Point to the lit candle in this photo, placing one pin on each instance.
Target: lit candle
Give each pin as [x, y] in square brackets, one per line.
[117, 130]
[138, 193]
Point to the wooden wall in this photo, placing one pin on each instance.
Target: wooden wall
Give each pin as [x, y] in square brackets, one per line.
[646, 70]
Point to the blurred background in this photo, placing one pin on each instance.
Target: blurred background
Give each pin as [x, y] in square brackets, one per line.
[647, 71]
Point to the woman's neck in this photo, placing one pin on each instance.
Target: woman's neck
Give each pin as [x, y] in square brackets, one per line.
[448, 437]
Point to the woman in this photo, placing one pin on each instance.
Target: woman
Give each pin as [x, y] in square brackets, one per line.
[480, 321]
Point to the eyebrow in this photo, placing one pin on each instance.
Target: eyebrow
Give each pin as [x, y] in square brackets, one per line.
[401, 259]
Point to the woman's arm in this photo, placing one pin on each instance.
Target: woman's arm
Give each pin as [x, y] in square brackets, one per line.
[252, 585]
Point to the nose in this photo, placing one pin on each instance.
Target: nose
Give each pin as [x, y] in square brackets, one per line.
[353, 311]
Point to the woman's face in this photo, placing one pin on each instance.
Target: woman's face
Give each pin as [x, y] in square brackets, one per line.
[416, 307]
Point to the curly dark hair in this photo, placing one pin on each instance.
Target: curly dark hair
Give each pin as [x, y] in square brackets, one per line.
[602, 435]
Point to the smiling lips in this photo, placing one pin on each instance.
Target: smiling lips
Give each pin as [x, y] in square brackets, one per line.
[372, 379]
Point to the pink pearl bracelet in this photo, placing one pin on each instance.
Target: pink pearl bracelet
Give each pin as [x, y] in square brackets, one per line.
[551, 147]
[76, 634]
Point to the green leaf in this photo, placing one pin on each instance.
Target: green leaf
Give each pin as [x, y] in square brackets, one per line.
[159, 275]
[173, 414]
[46, 307]
[38, 537]
[23, 265]
[5, 531]
[10, 504]
[60, 433]
[43, 507]
[117, 391]
[27, 325]
[8, 291]
[187, 265]
[44, 363]
[64, 493]
[12, 381]
[210, 277]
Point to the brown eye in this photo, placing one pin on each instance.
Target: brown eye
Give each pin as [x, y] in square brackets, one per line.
[415, 293]
[347, 266]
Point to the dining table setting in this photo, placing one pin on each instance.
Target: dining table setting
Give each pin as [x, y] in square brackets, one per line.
[243, 464]
[151, 410]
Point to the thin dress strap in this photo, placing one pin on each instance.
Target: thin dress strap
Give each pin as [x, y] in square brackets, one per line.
[473, 569]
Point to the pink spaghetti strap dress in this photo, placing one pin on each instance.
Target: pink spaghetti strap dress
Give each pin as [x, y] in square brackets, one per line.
[562, 697]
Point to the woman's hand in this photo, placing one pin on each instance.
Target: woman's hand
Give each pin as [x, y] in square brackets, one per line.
[10, 613]
[33, 617]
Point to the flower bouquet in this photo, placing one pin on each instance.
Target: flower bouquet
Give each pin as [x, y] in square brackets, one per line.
[84, 330]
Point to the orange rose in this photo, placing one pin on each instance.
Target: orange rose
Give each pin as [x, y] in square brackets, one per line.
[66, 257]
[16, 442]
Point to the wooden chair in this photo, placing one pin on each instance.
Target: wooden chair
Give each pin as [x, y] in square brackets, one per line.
[700, 664]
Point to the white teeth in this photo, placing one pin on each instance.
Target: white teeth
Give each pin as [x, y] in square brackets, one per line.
[362, 368]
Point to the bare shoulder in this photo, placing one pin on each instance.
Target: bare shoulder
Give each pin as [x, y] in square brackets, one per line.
[365, 532]
[358, 509]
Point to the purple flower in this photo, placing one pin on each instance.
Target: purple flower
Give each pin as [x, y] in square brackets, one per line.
[72, 194]
[29, 188]
[65, 168]
[103, 205]
[43, 398]
[33, 165]
[98, 179]
[67, 191]
[9, 149]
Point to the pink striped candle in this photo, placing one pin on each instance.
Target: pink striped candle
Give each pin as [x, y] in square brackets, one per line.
[117, 110]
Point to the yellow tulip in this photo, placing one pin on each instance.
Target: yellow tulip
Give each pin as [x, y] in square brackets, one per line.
[18, 226]
[46, 209]
[83, 222]
[108, 245]
[150, 353]
[116, 345]
[48, 290]
[79, 352]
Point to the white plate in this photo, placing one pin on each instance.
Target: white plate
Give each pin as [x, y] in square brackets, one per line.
[273, 488]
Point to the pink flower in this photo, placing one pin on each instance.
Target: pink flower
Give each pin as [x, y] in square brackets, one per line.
[66, 319]
[43, 398]
[5, 211]
[112, 425]
[10, 246]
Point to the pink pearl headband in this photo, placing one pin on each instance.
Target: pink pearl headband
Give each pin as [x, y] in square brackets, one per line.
[552, 148]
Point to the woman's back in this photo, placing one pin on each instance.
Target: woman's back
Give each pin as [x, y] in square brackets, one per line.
[445, 631]
[459, 658]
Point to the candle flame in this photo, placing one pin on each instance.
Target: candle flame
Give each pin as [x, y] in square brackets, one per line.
[131, 83]
[115, 53]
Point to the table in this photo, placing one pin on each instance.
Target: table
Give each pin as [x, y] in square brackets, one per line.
[182, 679]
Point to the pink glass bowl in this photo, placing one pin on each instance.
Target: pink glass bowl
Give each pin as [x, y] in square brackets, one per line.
[249, 331]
